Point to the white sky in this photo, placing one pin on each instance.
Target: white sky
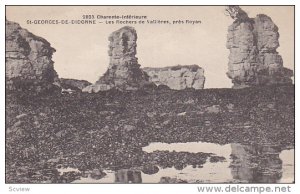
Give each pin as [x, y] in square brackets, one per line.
[82, 49]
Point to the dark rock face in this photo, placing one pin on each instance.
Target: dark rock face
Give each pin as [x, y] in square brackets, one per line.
[28, 60]
[253, 58]
[124, 71]
[177, 77]
[73, 84]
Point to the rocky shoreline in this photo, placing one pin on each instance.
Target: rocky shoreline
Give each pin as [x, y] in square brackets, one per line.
[54, 125]
[108, 129]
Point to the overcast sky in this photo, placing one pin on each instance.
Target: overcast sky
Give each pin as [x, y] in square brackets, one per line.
[82, 49]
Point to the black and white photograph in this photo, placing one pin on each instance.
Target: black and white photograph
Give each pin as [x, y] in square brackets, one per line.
[149, 94]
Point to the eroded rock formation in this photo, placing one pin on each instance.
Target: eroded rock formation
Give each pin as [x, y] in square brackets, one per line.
[253, 58]
[124, 71]
[177, 77]
[28, 60]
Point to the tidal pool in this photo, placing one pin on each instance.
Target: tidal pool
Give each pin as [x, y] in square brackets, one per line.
[243, 164]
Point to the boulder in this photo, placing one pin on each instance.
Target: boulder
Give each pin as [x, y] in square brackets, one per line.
[177, 77]
[150, 169]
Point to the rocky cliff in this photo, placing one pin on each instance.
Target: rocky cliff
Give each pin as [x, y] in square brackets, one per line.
[253, 58]
[28, 60]
[124, 71]
[177, 77]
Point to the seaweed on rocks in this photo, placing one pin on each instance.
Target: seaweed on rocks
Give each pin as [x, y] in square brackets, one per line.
[108, 130]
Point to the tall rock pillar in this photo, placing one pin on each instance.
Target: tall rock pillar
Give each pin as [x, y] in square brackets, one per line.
[123, 71]
[253, 58]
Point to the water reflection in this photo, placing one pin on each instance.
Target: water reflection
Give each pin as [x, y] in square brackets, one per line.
[244, 163]
[128, 176]
[256, 163]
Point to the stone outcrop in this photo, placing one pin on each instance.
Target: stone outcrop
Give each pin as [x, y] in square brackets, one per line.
[28, 60]
[253, 58]
[177, 77]
[73, 84]
[124, 71]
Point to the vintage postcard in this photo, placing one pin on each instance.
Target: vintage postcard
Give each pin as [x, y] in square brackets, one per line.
[149, 94]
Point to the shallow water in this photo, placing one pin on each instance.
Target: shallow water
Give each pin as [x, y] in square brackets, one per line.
[244, 163]
[287, 157]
